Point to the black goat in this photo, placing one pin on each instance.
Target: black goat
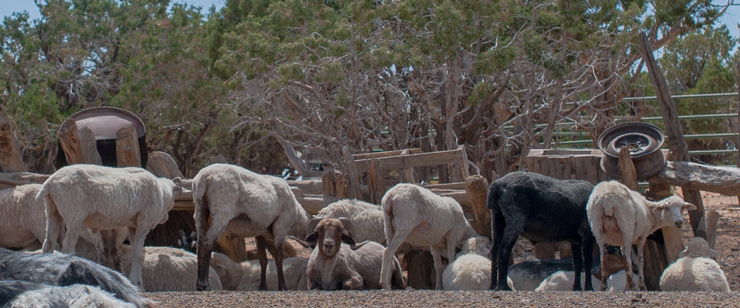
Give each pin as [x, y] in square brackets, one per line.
[541, 209]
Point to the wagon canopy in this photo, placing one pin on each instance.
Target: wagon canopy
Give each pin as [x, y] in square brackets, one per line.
[105, 122]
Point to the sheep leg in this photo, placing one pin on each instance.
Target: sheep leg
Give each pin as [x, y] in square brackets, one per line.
[511, 234]
[110, 251]
[575, 250]
[279, 241]
[262, 252]
[437, 267]
[641, 263]
[53, 225]
[497, 228]
[137, 254]
[604, 267]
[70, 237]
[588, 262]
[389, 255]
[627, 254]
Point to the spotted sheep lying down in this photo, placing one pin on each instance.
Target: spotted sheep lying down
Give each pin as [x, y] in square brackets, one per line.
[348, 266]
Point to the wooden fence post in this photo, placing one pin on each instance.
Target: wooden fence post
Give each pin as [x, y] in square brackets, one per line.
[127, 148]
[674, 132]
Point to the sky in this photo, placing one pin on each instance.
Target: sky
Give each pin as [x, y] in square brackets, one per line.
[7, 7]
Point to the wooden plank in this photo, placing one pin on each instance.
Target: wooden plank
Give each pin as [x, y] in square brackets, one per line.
[371, 183]
[353, 183]
[233, 246]
[673, 243]
[545, 250]
[162, 164]
[89, 146]
[385, 154]
[307, 186]
[465, 163]
[627, 172]
[408, 173]
[380, 172]
[328, 185]
[127, 148]
[69, 139]
[673, 130]
[11, 159]
[412, 160]
[708, 228]
[476, 187]
[455, 185]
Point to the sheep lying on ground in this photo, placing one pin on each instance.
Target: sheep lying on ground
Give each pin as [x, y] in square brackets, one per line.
[106, 199]
[245, 276]
[416, 215]
[620, 216]
[471, 270]
[64, 270]
[618, 281]
[694, 270]
[245, 204]
[367, 218]
[528, 275]
[20, 294]
[23, 218]
[563, 281]
[333, 266]
[541, 209]
[168, 269]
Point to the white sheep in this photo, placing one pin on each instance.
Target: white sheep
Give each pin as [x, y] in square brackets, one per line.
[23, 221]
[618, 281]
[418, 216]
[245, 276]
[563, 281]
[245, 204]
[74, 296]
[367, 218]
[168, 269]
[106, 199]
[694, 270]
[471, 269]
[619, 216]
[348, 266]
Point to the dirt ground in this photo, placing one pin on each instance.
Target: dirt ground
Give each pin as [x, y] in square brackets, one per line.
[728, 246]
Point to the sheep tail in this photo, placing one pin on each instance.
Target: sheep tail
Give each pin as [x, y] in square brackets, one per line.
[43, 193]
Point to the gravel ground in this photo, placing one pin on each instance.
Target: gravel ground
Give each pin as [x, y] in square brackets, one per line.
[427, 298]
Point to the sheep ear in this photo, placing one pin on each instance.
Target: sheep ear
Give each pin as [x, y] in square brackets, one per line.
[348, 239]
[347, 226]
[658, 208]
[313, 223]
[713, 253]
[688, 206]
[312, 239]
[301, 242]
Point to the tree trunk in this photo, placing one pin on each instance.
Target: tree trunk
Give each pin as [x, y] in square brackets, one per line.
[10, 153]
[162, 164]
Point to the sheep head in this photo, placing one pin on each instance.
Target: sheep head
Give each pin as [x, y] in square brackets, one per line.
[328, 233]
[670, 210]
[698, 247]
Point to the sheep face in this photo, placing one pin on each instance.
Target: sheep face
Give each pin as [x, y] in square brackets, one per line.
[328, 234]
[670, 210]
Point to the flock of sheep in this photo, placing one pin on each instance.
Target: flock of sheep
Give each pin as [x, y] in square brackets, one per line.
[89, 211]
